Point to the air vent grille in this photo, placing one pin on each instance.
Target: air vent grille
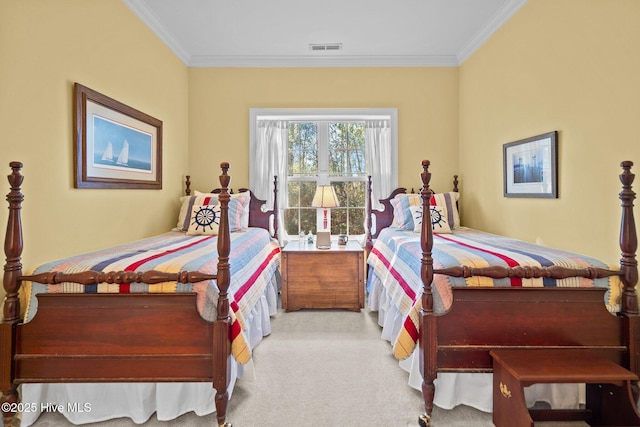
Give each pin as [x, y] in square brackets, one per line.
[326, 47]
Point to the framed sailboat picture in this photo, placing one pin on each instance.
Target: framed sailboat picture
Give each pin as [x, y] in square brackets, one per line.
[116, 146]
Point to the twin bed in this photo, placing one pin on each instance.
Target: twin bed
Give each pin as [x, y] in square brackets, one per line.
[446, 295]
[165, 324]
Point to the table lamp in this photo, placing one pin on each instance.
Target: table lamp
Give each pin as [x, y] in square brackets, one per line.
[325, 198]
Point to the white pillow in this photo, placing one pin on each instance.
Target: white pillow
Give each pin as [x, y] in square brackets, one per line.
[439, 222]
[205, 219]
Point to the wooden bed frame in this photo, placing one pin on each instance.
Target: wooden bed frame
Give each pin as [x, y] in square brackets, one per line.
[149, 337]
[569, 318]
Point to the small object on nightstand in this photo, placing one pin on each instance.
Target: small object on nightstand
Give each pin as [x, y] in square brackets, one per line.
[310, 238]
[343, 239]
[323, 240]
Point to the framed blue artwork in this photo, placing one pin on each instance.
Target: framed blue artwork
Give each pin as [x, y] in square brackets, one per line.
[116, 146]
[531, 166]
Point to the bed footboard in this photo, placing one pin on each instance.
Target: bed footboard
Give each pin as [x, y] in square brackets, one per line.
[88, 337]
[482, 319]
[116, 337]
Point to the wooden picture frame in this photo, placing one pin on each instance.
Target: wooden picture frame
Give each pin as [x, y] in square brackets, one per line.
[530, 166]
[116, 146]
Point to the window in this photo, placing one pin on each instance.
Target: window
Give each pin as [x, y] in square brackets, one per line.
[307, 148]
[321, 153]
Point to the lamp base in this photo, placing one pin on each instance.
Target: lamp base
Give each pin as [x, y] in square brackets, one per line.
[323, 240]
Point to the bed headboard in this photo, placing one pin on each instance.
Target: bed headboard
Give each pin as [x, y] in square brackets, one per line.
[259, 215]
[384, 218]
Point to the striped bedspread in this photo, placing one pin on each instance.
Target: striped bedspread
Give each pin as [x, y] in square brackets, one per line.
[254, 259]
[396, 257]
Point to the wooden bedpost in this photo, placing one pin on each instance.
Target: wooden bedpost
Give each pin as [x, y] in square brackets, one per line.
[187, 185]
[628, 242]
[11, 282]
[629, 266]
[221, 326]
[427, 340]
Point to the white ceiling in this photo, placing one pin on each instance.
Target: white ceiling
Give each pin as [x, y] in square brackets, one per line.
[278, 33]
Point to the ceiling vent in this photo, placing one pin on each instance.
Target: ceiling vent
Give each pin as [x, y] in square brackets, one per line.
[326, 47]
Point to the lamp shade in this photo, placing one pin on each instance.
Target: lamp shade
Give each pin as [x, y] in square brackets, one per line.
[325, 197]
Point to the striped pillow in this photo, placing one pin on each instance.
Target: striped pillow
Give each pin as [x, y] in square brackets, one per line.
[449, 202]
[402, 203]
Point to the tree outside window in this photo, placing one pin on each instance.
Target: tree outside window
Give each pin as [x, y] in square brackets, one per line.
[326, 152]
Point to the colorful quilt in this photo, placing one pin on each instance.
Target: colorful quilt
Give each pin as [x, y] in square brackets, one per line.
[395, 260]
[254, 259]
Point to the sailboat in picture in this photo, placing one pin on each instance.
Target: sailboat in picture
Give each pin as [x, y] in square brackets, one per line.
[107, 156]
[123, 157]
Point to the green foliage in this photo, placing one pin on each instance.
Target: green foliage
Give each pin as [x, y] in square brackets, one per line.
[347, 167]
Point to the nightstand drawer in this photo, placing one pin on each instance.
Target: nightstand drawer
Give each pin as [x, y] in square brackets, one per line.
[323, 267]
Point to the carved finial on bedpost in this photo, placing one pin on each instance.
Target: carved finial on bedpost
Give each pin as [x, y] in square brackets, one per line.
[225, 179]
[187, 185]
[276, 212]
[13, 247]
[628, 242]
[369, 212]
[455, 183]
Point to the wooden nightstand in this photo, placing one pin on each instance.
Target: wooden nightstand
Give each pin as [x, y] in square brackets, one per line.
[322, 278]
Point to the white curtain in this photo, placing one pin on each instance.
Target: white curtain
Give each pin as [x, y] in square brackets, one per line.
[378, 148]
[270, 159]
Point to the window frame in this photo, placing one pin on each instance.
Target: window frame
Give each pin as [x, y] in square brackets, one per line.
[329, 114]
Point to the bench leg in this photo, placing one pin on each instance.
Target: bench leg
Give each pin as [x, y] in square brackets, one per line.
[612, 405]
[509, 405]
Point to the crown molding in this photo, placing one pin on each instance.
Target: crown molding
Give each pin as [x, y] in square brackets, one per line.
[151, 20]
[497, 21]
[239, 61]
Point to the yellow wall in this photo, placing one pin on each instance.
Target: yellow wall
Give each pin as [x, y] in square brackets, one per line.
[566, 65]
[46, 46]
[426, 99]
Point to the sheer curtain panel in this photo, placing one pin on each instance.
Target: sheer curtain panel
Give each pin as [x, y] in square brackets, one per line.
[271, 153]
[379, 159]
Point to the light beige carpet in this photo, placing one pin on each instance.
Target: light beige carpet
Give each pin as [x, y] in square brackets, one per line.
[322, 368]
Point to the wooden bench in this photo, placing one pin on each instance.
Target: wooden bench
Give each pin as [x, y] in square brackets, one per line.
[609, 398]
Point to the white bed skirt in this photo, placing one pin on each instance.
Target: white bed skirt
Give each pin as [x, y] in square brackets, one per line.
[96, 402]
[453, 389]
